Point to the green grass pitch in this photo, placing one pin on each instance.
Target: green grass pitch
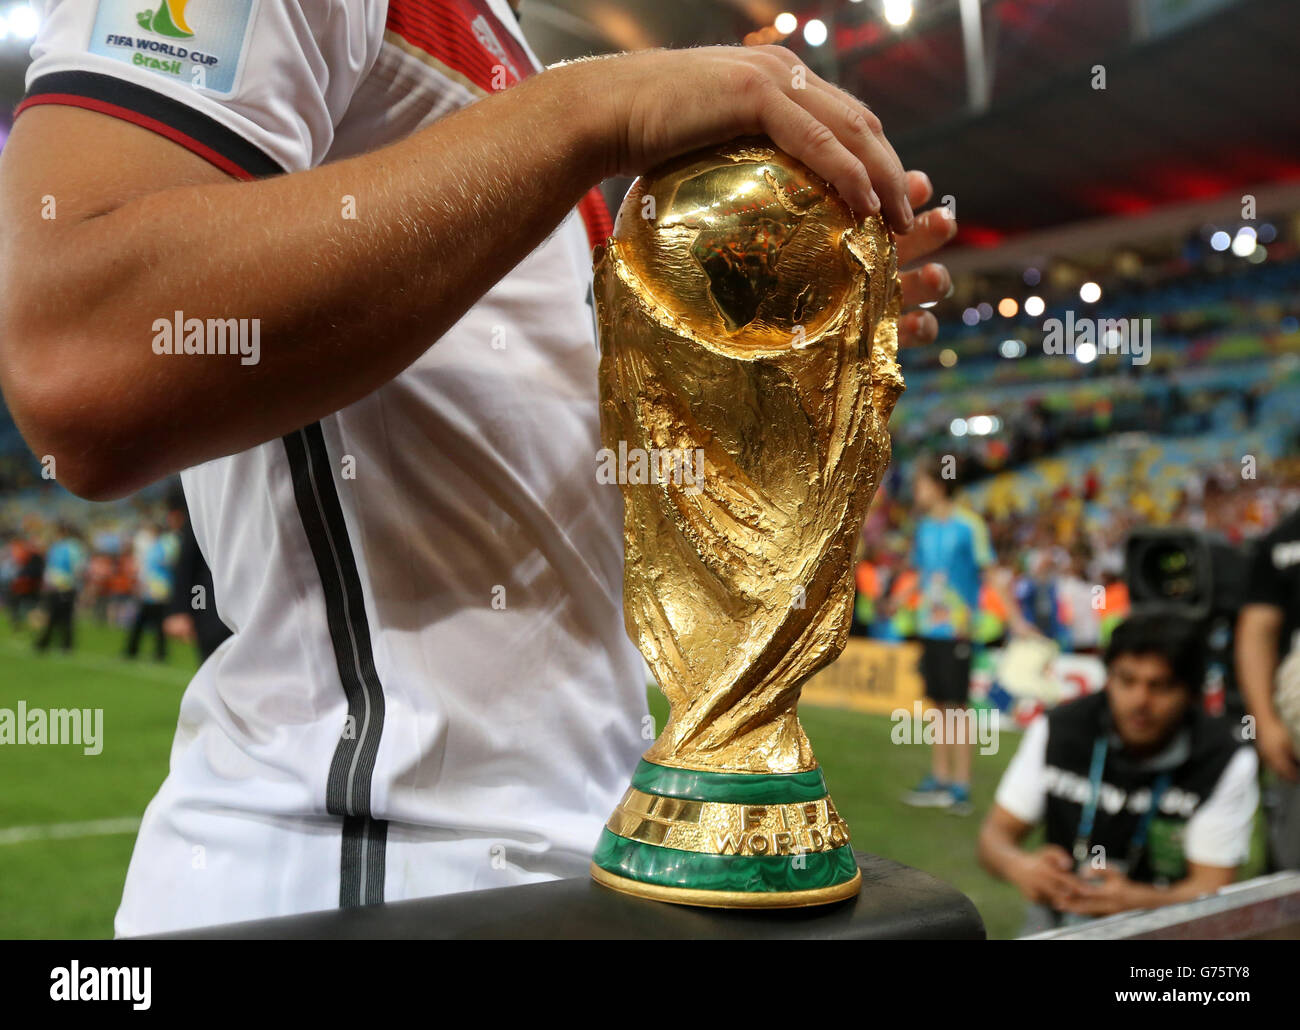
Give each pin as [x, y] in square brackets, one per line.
[68, 886]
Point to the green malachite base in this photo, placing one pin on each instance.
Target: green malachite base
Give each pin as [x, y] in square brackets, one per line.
[668, 867]
[730, 788]
[726, 880]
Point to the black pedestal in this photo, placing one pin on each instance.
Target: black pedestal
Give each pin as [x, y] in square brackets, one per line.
[896, 902]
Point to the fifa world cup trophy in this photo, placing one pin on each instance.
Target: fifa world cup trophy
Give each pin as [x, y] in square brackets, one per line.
[749, 327]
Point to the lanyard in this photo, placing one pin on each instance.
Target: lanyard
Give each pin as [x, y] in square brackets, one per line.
[1089, 814]
[1139, 841]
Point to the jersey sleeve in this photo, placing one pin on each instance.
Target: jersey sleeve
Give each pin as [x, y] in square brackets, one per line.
[1218, 833]
[1265, 584]
[1023, 790]
[255, 87]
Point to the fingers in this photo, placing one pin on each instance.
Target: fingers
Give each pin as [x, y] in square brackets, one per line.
[803, 136]
[1066, 889]
[917, 328]
[1058, 856]
[853, 126]
[932, 230]
[1092, 900]
[919, 189]
[925, 285]
[860, 128]
[1062, 895]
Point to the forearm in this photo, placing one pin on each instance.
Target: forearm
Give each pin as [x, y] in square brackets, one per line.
[1145, 895]
[1256, 660]
[1000, 854]
[344, 304]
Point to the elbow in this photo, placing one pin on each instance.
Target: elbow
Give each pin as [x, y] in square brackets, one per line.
[70, 423]
[92, 480]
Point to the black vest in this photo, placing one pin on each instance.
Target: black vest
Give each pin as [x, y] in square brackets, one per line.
[1200, 751]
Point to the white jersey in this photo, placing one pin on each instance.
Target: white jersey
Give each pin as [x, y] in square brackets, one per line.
[429, 687]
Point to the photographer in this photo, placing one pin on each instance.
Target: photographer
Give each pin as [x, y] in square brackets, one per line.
[1146, 800]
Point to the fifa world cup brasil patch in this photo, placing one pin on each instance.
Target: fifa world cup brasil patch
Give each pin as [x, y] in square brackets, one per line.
[198, 43]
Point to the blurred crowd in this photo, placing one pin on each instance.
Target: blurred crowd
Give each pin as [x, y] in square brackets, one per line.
[133, 571]
[1060, 553]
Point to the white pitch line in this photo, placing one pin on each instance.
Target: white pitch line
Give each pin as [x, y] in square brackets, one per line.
[69, 831]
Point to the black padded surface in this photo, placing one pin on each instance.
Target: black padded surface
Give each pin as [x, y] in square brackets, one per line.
[896, 902]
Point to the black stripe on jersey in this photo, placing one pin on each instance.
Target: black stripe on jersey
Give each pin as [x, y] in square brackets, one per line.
[362, 880]
[150, 104]
[352, 769]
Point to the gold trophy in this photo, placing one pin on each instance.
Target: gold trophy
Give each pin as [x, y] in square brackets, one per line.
[748, 327]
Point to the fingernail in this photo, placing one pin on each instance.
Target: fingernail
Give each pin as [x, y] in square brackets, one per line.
[873, 202]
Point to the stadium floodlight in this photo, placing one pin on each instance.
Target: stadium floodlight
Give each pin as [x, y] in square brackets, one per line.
[980, 425]
[957, 427]
[1085, 353]
[814, 32]
[1034, 306]
[785, 23]
[1220, 240]
[1090, 293]
[1007, 307]
[970, 316]
[947, 357]
[1012, 348]
[985, 310]
[898, 12]
[22, 22]
[1245, 242]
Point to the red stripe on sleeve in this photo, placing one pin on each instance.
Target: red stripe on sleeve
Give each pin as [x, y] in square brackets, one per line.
[152, 124]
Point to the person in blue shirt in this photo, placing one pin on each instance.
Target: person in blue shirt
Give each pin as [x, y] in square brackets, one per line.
[951, 553]
[155, 578]
[65, 565]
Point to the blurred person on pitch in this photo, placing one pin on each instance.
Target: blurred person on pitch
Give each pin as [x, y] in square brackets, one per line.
[429, 687]
[25, 571]
[65, 567]
[1267, 649]
[191, 616]
[158, 548]
[1146, 800]
[953, 560]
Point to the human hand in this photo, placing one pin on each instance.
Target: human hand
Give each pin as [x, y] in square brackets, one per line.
[653, 105]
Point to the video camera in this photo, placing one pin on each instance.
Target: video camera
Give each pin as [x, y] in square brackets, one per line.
[1198, 576]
